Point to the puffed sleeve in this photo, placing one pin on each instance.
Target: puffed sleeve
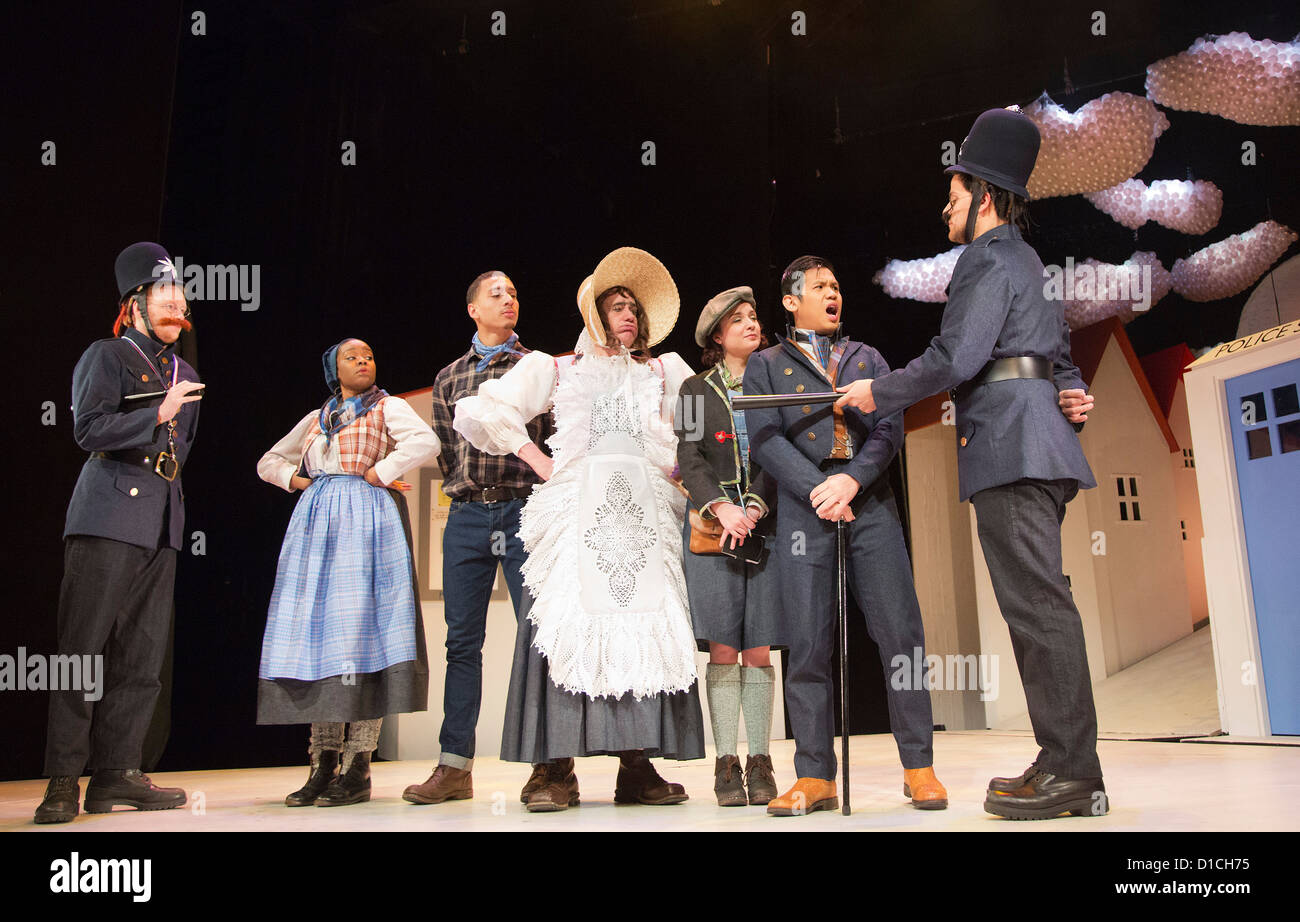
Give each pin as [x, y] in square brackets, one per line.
[280, 463]
[676, 371]
[494, 419]
[416, 443]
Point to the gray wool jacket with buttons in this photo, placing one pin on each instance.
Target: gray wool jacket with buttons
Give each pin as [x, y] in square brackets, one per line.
[1007, 430]
[791, 442]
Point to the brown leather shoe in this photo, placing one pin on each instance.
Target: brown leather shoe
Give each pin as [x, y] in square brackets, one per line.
[559, 790]
[924, 788]
[639, 783]
[446, 783]
[759, 779]
[807, 796]
[728, 783]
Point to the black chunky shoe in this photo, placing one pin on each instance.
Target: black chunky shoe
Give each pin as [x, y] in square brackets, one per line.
[323, 772]
[62, 800]
[351, 787]
[130, 788]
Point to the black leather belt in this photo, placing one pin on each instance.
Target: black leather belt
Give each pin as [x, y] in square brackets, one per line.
[1016, 366]
[145, 459]
[497, 494]
[128, 456]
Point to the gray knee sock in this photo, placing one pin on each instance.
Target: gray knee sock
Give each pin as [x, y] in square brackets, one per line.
[722, 685]
[325, 736]
[757, 692]
[363, 736]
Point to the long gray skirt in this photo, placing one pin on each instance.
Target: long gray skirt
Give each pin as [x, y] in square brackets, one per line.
[544, 722]
[732, 602]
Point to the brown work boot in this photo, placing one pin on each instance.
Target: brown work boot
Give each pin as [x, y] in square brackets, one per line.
[924, 789]
[559, 790]
[446, 783]
[807, 796]
[639, 783]
[728, 784]
[760, 780]
[535, 782]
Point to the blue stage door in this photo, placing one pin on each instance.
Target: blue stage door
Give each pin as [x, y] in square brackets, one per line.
[1265, 414]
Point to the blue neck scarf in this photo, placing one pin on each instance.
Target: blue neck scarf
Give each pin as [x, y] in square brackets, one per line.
[490, 352]
[340, 411]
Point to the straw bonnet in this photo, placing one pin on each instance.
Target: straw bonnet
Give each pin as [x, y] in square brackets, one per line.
[644, 276]
[717, 308]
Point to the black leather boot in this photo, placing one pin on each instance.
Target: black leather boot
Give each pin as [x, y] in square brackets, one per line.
[323, 772]
[130, 788]
[62, 800]
[351, 787]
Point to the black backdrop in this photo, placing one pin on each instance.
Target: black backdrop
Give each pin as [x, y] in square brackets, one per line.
[521, 152]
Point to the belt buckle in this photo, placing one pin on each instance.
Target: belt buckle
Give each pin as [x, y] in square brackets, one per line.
[167, 467]
[492, 495]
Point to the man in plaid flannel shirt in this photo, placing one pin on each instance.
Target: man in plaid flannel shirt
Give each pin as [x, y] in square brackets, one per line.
[487, 494]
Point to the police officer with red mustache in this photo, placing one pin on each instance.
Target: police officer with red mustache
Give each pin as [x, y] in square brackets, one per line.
[135, 410]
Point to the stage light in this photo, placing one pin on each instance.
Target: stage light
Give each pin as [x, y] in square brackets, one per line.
[1190, 207]
[1107, 141]
[1091, 290]
[1254, 82]
[1232, 265]
[919, 279]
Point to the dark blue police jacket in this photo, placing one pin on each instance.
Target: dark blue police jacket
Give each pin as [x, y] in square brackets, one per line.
[128, 501]
[1006, 430]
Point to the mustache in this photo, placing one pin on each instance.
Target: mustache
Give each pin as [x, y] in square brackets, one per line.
[181, 322]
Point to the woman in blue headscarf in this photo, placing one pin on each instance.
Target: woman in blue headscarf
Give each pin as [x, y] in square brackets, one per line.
[344, 642]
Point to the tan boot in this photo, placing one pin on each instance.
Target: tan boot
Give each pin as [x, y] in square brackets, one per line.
[924, 789]
[446, 783]
[807, 796]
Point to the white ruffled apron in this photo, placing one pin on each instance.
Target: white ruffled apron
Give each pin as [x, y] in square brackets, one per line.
[621, 556]
[602, 538]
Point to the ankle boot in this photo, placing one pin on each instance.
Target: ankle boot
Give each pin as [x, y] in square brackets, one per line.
[351, 787]
[323, 771]
[639, 783]
[759, 779]
[111, 788]
[728, 784]
[62, 800]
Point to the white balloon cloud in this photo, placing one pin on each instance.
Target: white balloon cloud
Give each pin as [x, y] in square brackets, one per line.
[919, 279]
[1249, 81]
[1190, 207]
[1092, 290]
[1232, 265]
[1107, 141]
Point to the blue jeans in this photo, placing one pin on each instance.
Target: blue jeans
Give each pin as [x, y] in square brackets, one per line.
[478, 537]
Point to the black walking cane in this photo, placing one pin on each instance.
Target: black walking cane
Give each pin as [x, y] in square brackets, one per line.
[764, 401]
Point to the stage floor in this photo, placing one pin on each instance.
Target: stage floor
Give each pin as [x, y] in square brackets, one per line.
[1152, 786]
